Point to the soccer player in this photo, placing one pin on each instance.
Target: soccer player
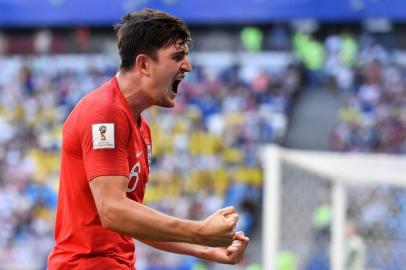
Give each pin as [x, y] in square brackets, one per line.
[106, 156]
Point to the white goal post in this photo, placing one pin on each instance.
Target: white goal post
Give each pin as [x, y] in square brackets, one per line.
[339, 169]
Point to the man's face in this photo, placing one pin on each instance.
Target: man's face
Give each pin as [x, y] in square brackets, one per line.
[167, 73]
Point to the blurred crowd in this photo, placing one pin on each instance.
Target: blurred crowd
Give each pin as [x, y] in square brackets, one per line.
[206, 151]
[371, 82]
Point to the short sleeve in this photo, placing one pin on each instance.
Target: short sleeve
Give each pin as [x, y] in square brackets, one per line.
[104, 132]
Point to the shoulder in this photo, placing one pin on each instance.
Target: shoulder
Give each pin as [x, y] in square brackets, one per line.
[103, 98]
[102, 102]
[102, 107]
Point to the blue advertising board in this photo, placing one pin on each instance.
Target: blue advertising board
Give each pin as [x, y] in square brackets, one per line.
[106, 12]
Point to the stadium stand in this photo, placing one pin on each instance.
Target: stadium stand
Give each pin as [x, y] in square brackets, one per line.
[216, 128]
[206, 151]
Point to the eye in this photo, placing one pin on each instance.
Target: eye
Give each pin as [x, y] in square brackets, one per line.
[178, 57]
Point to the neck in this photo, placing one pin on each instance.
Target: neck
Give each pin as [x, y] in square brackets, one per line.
[132, 88]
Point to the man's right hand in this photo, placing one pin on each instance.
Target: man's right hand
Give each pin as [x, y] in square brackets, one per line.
[218, 229]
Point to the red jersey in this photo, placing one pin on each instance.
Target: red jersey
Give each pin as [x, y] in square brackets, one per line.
[100, 137]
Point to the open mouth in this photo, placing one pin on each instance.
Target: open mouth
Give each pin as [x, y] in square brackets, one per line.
[175, 86]
[176, 83]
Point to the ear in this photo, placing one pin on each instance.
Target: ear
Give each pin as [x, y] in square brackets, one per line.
[142, 64]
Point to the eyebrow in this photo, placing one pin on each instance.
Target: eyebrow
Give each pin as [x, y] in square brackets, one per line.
[180, 53]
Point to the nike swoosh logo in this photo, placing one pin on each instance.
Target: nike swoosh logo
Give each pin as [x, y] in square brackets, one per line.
[139, 154]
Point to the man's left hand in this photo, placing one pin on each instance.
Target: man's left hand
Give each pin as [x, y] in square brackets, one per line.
[233, 254]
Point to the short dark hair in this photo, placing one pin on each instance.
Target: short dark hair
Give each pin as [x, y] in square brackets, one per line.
[147, 31]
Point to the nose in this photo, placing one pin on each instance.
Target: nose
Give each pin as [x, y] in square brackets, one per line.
[186, 65]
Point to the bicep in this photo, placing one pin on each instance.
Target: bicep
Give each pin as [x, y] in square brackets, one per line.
[108, 192]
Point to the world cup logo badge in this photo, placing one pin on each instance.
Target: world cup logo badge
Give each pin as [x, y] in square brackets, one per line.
[102, 130]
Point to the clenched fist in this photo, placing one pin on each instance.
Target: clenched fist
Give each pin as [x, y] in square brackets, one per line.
[232, 254]
[218, 230]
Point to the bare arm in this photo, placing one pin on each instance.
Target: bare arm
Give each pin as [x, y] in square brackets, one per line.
[128, 217]
[231, 255]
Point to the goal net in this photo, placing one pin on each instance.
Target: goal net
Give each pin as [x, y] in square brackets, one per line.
[327, 210]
